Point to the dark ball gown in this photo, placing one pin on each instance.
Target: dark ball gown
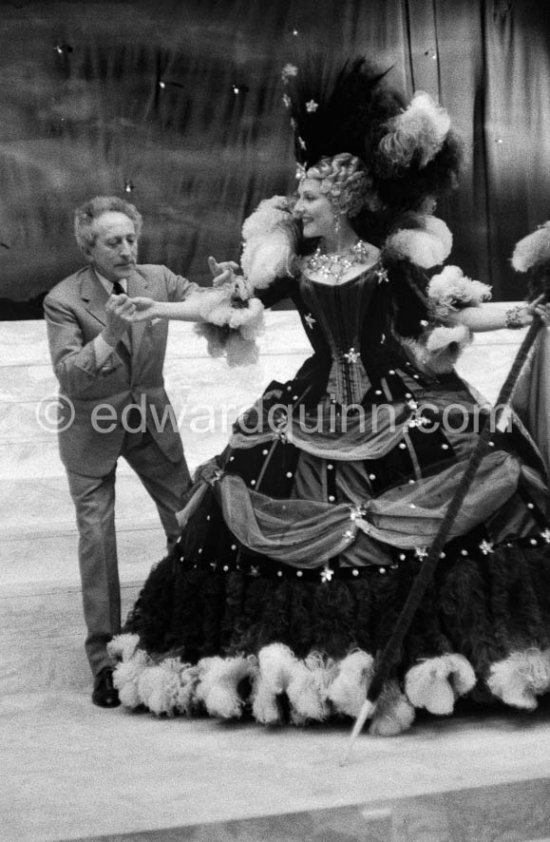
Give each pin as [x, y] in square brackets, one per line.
[301, 541]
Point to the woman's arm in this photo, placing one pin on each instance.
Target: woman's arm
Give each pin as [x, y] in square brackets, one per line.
[496, 315]
[185, 311]
[199, 304]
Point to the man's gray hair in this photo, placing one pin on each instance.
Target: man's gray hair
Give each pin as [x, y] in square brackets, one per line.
[86, 214]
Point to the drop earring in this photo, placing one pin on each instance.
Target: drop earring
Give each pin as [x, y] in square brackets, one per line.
[338, 229]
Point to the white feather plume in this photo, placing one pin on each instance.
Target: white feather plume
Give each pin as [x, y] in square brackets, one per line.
[532, 250]
[420, 130]
[427, 244]
[270, 238]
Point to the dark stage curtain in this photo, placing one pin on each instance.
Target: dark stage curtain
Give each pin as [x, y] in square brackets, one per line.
[177, 105]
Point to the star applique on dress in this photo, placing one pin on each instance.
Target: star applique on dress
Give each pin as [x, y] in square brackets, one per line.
[352, 356]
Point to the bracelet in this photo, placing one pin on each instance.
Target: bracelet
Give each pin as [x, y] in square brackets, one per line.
[513, 319]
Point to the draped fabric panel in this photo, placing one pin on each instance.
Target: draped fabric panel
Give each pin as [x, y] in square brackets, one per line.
[177, 105]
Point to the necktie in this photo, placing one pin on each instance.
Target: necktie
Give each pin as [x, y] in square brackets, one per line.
[118, 289]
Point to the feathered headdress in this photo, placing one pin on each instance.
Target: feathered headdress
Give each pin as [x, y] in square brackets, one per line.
[336, 111]
[410, 153]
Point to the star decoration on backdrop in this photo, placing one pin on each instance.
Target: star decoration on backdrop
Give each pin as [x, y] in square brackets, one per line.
[310, 321]
[288, 71]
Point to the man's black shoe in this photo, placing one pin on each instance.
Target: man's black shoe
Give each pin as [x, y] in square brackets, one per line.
[104, 693]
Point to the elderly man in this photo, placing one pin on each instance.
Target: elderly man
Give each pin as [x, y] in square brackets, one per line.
[110, 375]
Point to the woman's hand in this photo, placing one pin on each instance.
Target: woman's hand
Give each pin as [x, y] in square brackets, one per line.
[222, 273]
[144, 309]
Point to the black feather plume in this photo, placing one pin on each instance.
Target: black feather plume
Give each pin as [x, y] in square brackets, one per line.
[333, 112]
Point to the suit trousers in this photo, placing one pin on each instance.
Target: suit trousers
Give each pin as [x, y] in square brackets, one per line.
[94, 500]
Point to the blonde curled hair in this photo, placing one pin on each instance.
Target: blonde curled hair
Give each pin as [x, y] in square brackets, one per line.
[344, 180]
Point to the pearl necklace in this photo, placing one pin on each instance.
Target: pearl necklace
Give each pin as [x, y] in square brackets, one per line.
[336, 264]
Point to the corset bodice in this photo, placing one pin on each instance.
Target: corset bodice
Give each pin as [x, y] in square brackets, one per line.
[340, 318]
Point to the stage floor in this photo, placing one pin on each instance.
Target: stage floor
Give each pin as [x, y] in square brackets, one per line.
[73, 771]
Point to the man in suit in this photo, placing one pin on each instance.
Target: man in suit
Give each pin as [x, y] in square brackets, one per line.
[110, 374]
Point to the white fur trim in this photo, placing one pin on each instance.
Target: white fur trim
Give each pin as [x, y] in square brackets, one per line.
[276, 663]
[428, 244]
[126, 678]
[348, 690]
[307, 690]
[520, 677]
[393, 713]
[435, 683]
[151, 689]
[245, 325]
[184, 693]
[532, 250]
[166, 688]
[440, 338]
[218, 680]
[440, 349]
[216, 307]
[123, 646]
[450, 290]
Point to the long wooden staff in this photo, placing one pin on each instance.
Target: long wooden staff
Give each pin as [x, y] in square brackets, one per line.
[390, 652]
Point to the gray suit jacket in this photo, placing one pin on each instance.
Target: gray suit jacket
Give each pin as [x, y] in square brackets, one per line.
[96, 395]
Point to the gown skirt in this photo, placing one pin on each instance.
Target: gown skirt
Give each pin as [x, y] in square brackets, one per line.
[301, 541]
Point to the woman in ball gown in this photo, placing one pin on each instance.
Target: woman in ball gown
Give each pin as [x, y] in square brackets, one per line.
[300, 542]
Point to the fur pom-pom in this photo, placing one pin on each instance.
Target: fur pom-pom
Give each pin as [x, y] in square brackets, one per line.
[435, 683]
[427, 244]
[450, 290]
[123, 646]
[393, 713]
[307, 690]
[518, 679]
[218, 684]
[270, 236]
[349, 688]
[440, 348]
[175, 687]
[183, 691]
[219, 307]
[419, 131]
[450, 339]
[126, 677]
[151, 689]
[232, 331]
[167, 687]
[533, 251]
[276, 666]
